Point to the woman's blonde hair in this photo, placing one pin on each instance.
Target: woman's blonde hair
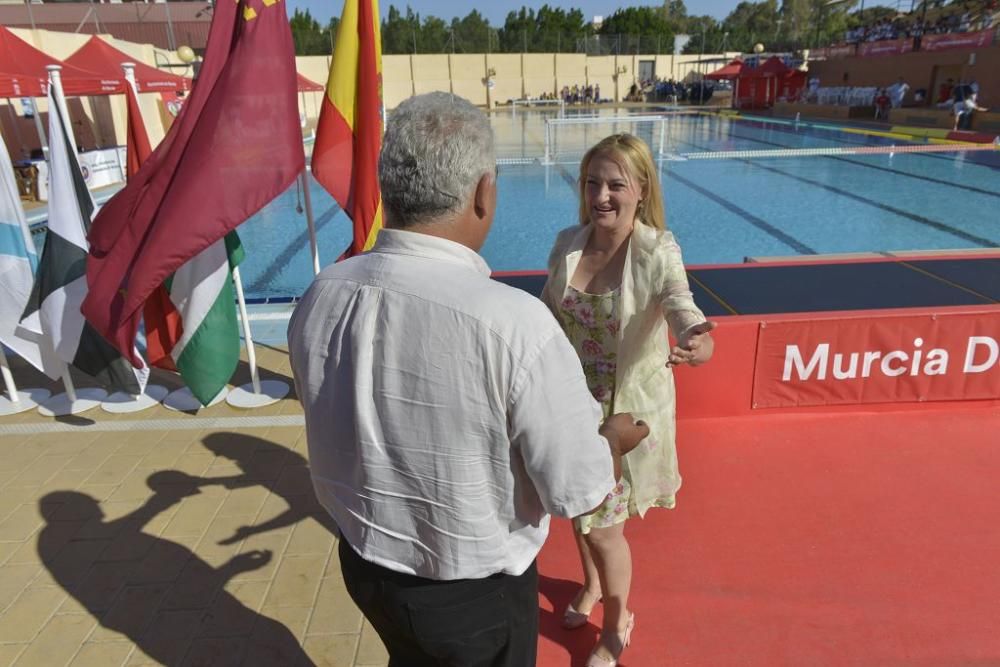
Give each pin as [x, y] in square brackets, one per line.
[634, 157]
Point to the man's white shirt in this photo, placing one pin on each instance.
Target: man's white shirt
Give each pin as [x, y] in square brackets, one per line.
[447, 415]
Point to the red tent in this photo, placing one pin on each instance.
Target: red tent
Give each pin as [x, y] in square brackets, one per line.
[308, 85]
[23, 73]
[99, 56]
[730, 71]
[772, 67]
[758, 88]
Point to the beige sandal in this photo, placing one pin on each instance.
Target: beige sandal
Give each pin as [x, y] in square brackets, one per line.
[624, 640]
[573, 618]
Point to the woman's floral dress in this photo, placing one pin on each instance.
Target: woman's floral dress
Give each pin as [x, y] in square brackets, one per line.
[591, 323]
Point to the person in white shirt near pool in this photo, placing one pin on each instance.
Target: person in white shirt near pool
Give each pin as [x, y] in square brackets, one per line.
[447, 415]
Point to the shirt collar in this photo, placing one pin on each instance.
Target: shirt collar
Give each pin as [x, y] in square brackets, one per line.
[402, 242]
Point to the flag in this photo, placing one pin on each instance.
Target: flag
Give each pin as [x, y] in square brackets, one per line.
[349, 131]
[190, 319]
[235, 146]
[18, 262]
[53, 308]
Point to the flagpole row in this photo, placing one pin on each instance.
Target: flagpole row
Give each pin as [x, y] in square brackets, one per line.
[251, 355]
[8, 378]
[313, 245]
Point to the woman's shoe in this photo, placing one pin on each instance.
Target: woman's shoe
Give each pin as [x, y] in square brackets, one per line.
[624, 640]
[573, 618]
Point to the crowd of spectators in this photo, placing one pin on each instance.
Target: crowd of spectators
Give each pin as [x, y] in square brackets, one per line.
[967, 16]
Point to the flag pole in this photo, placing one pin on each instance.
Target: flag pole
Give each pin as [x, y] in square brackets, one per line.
[17, 401]
[122, 402]
[256, 394]
[310, 222]
[71, 401]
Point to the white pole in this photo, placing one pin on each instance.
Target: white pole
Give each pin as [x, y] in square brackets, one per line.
[8, 379]
[313, 245]
[251, 356]
[663, 126]
[129, 69]
[41, 130]
[548, 141]
[68, 384]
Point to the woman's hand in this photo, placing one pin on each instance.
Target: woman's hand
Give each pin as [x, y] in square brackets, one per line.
[694, 347]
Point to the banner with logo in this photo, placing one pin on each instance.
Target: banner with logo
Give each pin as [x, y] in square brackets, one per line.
[957, 40]
[888, 47]
[840, 51]
[886, 359]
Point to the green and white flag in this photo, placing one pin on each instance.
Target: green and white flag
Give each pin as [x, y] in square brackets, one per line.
[192, 328]
[53, 308]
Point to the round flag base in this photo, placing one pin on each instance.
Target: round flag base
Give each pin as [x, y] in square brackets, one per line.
[183, 400]
[26, 400]
[60, 405]
[120, 402]
[271, 391]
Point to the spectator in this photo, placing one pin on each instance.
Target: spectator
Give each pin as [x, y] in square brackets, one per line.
[882, 104]
[963, 112]
[897, 92]
[944, 92]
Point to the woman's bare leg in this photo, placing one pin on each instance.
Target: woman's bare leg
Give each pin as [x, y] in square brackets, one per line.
[613, 560]
[591, 592]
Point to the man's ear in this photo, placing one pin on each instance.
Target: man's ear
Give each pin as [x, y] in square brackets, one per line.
[482, 201]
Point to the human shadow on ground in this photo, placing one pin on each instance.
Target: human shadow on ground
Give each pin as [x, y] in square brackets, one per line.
[282, 471]
[158, 593]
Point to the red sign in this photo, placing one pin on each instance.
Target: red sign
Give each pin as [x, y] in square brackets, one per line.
[888, 47]
[878, 360]
[957, 40]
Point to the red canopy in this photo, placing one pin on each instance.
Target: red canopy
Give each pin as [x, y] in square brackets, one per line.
[99, 56]
[730, 71]
[771, 67]
[23, 73]
[307, 85]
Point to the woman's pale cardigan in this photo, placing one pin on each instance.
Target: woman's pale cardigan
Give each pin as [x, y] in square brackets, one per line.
[654, 294]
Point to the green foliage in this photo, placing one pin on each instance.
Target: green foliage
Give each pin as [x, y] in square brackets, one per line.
[310, 39]
[552, 29]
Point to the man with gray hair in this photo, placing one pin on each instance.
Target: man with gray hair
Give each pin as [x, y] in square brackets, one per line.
[447, 415]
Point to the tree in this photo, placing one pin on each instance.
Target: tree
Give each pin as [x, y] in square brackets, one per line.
[638, 26]
[399, 33]
[434, 36]
[309, 38]
[471, 34]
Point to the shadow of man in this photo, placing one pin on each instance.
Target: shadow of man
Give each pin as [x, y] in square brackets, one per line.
[127, 588]
[279, 469]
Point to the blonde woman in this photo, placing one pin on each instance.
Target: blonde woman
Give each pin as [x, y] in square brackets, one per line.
[616, 283]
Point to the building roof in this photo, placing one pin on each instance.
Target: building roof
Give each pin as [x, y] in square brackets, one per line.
[165, 25]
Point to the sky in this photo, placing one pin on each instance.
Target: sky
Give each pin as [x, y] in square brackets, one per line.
[497, 10]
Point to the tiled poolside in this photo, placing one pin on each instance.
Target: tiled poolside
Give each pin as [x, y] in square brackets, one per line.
[124, 540]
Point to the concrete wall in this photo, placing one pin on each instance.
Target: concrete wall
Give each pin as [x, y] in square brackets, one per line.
[101, 121]
[920, 69]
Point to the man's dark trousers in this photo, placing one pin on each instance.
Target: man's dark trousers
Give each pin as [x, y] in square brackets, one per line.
[491, 622]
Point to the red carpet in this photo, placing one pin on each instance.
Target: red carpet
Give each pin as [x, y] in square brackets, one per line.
[811, 539]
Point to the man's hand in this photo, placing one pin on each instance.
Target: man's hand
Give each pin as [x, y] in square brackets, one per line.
[623, 432]
[694, 347]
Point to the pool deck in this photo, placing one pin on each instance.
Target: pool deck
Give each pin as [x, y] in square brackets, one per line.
[165, 572]
[124, 541]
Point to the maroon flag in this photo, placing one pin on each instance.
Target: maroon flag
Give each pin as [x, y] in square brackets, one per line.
[235, 146]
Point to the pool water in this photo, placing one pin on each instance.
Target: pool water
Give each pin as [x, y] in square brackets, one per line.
[721, 210]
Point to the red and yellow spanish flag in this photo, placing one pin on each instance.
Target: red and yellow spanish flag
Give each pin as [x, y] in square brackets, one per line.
[349, 132]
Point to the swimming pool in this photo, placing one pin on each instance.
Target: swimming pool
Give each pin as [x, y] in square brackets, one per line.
[721, 210]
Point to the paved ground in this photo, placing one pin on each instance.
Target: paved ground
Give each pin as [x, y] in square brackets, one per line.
[169, 538]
